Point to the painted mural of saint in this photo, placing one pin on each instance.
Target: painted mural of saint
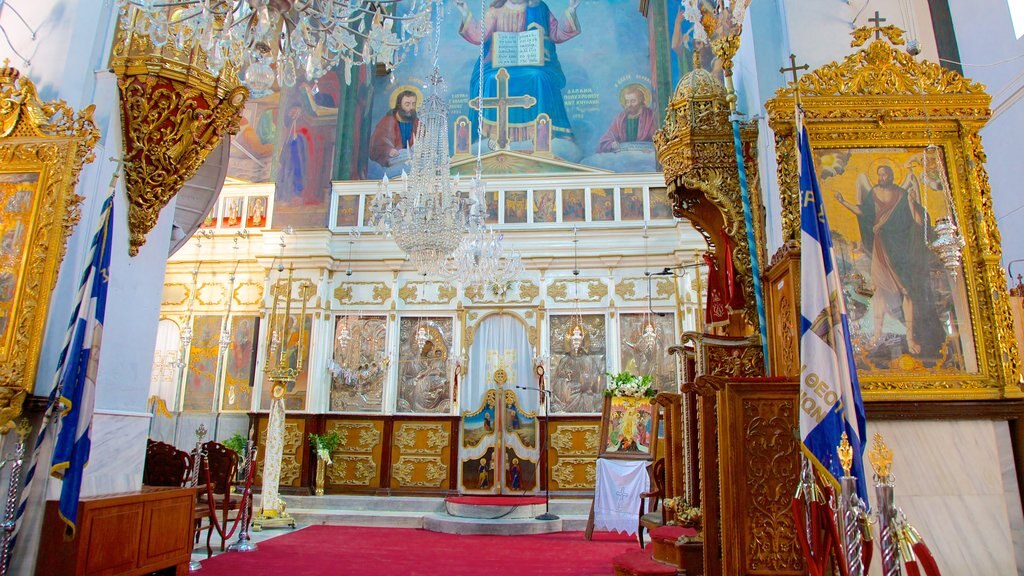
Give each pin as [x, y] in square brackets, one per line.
[393, 136]
[636, 122]
[544, 82]
[292, 174]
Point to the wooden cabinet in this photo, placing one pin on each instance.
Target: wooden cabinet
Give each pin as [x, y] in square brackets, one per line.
[782, 301]
[121, 534]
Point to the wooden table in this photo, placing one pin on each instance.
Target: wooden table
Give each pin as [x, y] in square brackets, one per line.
[130, 534]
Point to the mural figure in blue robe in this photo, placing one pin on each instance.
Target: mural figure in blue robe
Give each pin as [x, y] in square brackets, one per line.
[544, 82]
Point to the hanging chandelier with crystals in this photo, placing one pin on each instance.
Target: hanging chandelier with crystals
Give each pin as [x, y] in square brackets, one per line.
[427, 217]
[282, 40]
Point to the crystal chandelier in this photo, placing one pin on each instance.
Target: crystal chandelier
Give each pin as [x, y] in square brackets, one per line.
[428, 219]
[948, 243]
[282, 40]
[481, 259]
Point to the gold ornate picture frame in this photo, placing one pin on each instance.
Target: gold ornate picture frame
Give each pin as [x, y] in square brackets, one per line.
[918, 331]
[43, 146]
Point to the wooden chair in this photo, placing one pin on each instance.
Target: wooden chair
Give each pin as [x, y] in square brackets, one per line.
[220, 470]
[168, 466]
[165, 465]
[651, 514]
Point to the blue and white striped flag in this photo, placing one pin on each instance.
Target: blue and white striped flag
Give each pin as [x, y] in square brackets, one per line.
[830, 400]
[76, 387]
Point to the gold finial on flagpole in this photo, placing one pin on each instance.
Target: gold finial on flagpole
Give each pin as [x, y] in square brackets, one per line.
[845, 451]
[881, 458]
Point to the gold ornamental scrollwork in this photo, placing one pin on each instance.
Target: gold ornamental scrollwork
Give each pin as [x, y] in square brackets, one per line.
[575, 473]
[379, 292]
[880, 97]
[434, 437]
[360, 437]
[575, 439]
[43, 147]
[419, 471]
[352, 470]
[174, 112]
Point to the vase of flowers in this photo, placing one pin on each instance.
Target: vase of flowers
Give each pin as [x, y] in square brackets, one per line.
[629, 385]
[323, 445]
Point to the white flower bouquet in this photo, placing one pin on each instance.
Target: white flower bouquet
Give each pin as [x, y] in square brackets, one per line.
[631, 385]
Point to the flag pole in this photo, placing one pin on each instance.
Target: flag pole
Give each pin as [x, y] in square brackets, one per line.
[725, 48]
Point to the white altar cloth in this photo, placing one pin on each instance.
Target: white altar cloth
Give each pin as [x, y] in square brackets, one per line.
[617, 494]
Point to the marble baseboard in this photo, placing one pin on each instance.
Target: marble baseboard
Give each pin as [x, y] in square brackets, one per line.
[955, 481]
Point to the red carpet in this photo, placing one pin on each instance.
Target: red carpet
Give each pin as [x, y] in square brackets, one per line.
[354, 551]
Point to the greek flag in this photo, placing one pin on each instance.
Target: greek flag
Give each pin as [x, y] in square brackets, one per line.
[830, 401]
[76, 385]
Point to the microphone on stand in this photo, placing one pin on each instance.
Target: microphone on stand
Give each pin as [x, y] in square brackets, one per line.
[547, 515]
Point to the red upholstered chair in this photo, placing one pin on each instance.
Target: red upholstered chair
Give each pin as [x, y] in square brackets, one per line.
[165, 465]
[220, 470]
[651, 516]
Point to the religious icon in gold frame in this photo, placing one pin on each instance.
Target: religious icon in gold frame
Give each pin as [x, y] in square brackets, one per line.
[920, 330]
[628, 428]
[43, 146]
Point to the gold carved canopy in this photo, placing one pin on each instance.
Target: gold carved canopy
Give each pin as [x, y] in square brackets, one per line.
[43, 146]
[696, 150]
[880, 106]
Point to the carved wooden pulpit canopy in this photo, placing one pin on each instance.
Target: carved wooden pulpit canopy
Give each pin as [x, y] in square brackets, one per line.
[43, 146]
[696, 150]
[174, 112]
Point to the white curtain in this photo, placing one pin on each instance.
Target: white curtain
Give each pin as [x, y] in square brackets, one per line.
[500, 342]
[164, 378]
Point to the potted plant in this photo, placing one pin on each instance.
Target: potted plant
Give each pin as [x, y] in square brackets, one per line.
[323, 445]
[238, 444]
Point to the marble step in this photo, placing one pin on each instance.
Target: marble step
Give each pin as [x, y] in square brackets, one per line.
[352, 502]
[502, 527]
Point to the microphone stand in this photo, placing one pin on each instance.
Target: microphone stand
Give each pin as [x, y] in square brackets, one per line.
[547, 515]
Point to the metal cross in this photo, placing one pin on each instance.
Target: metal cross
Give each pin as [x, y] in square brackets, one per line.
[502, 102]
[877, 21]
[793, 67]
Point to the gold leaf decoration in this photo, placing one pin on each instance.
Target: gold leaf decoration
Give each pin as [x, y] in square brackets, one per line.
[43, 147]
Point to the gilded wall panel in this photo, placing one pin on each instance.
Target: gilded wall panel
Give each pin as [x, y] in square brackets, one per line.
[583, 289]
[420, 455]
[352, 470]
[574, 474]
[427, 292]
[175, 294]
[248, 294]
[419, 472]
[211, 293]
[362, 293]
[360, 437]
[43, 146]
